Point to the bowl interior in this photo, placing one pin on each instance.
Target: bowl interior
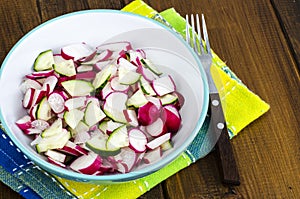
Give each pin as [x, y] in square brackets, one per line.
[94, 27]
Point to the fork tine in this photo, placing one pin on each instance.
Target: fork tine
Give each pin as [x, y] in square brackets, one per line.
[187, 29]
[199, 34]
[193, 33]
[205, 35]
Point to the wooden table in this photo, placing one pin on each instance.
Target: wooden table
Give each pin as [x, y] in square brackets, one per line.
[260, 41]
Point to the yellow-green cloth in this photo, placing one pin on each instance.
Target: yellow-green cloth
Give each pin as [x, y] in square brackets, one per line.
[242, 107]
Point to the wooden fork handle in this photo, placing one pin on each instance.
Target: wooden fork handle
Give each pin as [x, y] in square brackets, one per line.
[227, 165]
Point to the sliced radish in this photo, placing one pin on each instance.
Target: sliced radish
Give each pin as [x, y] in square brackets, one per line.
[114, 105]
[173, 119]
[60, 157]
[33, 112]
[163, 85]
[29, 83]
[38, 96]
[102, 56]
[106, 91]
[157, 128]
[77, 51]
[87, 164]
[56, 102]
[28, 98]
[131, 117]
[137, 140]
[40, 124]
[117, 86]
[102, 64]
[156, 101]
[81, 137]
[89, 75]
[127, 157]
[32, 131]
[50, 83]
[146, 73]
[147, 114]
[24, 122]
[73, 149]
[152, 156]
[55, 162]
[158, 141]
[75, 102]
[84, 68]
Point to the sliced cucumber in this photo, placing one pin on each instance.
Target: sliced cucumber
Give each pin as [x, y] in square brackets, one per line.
[114, 106]
[103, 76]
[148, 64]
[66, 68]
[44, 110]
[73, 117]
[55, 128]
[78, 87]
[138, 99]
[93, 114]
[118, 139]
[168, 99]
[44, 61]
[53, 142]
[128, 77]
[99, 146]
[146, 87]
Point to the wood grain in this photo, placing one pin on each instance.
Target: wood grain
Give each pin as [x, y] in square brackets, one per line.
[259, 40]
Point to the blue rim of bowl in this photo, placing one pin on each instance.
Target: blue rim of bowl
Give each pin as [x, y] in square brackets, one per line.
[114, 177]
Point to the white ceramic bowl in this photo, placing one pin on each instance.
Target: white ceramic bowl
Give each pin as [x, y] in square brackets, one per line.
[162, 46]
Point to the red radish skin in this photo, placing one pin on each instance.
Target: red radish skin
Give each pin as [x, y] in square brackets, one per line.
[28, 98]
[55, 162]
[89, 75]
[173, 119]
[24, 122]
[29, 83]
[147, 114]
[87, 164]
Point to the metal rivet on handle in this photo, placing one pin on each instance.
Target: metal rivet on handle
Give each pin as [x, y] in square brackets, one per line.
[220, 125]
[215, 102]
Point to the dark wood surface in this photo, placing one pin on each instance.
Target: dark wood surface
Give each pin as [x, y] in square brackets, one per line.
[260, 41]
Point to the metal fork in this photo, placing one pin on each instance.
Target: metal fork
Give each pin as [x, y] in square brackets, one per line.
[217, 128]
